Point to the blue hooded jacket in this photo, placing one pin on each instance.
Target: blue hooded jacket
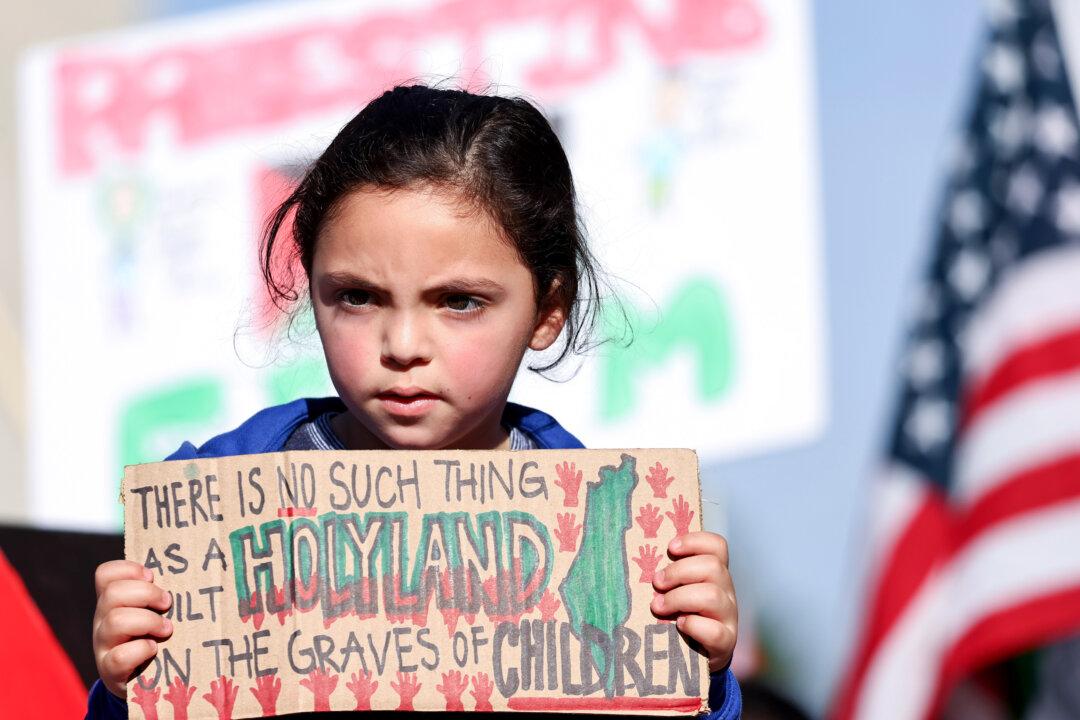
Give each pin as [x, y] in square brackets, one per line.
[267, 431]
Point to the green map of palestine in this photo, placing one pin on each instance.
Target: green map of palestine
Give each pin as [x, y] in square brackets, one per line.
[596, 589]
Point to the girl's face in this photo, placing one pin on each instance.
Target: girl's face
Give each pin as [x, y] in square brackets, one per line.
[425, 312]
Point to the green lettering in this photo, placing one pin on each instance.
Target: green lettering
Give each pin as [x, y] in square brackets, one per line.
[697, 320]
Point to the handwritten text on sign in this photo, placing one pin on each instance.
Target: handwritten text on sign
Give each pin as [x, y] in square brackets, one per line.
[431, 580]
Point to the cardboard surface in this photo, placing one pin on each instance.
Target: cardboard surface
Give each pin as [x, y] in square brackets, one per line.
[433, 580]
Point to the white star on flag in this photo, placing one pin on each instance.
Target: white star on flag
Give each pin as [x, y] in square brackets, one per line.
[1001, 12]
[925, 363]
[1025, 191]
[929, 422]
[968, 273]
[1009, 127]
[967, 213]
[1067, 209]
[1005, 66]
[1055, 133]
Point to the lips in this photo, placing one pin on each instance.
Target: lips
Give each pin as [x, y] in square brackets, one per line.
[407, 402]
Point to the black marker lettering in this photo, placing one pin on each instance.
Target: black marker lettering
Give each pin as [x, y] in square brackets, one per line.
[507, 684]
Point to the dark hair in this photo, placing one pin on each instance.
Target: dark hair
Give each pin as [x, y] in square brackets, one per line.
[499, 153]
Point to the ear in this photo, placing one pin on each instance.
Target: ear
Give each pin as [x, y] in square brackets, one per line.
[549, 323]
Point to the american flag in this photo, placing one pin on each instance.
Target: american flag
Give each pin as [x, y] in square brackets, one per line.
[975, 530]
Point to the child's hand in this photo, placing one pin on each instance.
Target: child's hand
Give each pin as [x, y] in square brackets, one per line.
[128, 610]
[698, 588]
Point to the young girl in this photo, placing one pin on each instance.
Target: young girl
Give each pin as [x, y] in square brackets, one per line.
[440, 240]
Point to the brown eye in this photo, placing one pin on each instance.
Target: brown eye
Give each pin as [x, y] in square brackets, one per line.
[463, 303]
[354, 298]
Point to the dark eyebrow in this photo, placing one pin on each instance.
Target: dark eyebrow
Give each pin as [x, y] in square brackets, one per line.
[464, 285]
[347, 279]
[468, 286]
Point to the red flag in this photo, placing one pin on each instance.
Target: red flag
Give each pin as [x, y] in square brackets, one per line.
[37, 679]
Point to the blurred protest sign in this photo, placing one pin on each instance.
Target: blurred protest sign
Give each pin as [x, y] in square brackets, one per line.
[433, 580]
[152, 155]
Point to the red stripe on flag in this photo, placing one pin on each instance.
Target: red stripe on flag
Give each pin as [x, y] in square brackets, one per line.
[1055, 355]
[1006, 632]
[926, 542]
[1033, 489]
[913, 554]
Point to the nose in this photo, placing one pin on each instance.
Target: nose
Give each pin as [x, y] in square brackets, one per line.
[405, 340]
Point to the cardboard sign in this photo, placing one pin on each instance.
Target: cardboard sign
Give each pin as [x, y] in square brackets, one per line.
[428, 580]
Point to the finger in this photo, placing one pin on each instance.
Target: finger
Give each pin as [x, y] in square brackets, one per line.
[717, 638]
[693, 569]
[119, 664]
[132, 593]
[125, 623]
[700, 543]
[700, 598]
[113, 570]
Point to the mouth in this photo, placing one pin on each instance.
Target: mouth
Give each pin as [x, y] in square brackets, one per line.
[407, 402]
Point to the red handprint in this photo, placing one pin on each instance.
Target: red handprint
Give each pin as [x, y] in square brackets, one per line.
[146, 700]
[658, 479]
[647, 560]
[266, 690]
[254, 612]
[450, 616]
[682, 515]
[548, 605]
[279, 600]
[649, 519]
[321, 684]
[406, 687]
[453, 684]
[222, 696]
[362, 689]
[570, 482]
[481, 692]
[567, 531]
[179, 695]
